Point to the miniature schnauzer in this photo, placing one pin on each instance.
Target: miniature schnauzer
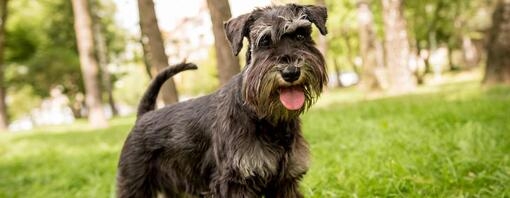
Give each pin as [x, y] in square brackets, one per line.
[244, 140]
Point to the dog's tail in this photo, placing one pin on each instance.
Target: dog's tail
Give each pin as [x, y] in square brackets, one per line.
[148, 101]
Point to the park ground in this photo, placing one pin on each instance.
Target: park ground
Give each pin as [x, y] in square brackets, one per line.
[445, 140]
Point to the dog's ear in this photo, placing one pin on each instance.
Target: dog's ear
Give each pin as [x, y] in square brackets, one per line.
[236, 29]
[318, 16]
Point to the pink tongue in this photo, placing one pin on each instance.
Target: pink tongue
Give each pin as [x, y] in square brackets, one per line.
[292, 98]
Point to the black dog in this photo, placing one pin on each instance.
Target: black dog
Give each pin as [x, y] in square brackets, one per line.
[244, 140]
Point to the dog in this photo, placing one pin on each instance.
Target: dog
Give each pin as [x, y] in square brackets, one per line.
[244, 140]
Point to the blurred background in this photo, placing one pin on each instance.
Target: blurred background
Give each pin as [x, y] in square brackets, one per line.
[389, 46]
[418, 100]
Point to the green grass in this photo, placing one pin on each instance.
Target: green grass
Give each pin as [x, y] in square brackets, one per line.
[444, 141]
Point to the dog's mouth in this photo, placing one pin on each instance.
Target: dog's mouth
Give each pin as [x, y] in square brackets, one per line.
[293, 97]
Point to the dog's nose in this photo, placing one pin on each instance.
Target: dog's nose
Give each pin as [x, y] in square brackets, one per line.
[290, 73]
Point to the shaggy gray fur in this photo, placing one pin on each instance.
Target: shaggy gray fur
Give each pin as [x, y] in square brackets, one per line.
[239, 141]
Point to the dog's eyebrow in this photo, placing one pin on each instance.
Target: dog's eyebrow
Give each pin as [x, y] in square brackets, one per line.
[292, 26]
[264, 31]
[285, 25]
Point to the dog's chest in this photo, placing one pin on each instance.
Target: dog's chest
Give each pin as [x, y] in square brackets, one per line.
[274, 154]
[257, 160]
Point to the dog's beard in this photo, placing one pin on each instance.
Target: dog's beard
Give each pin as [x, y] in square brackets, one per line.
[263, 88]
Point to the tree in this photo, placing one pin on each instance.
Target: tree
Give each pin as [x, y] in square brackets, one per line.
[102, 55]
[342, 41]
[42, 44]
[397, 47]
[227, 63]
[3, 105]
[498, 60]
[88, 63]
[154, 49]
[439, 23]
[372, 77]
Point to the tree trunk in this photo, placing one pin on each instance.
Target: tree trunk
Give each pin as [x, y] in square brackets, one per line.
[497, 70]
[431, 39]
[146, 61]
[349, 51]
[88, 63]
[418, 74]
[227, 63]
[372, 68]
[470, 52]
[451, 64]
[4, 121]
[397, 47]
[154, 48]
[102, 55]
[338, 73]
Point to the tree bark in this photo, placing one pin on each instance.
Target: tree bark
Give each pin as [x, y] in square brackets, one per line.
[154, 48]
[497, 70]
[397, 47]
[349, 51]
[372, 77]
[338, 73]
[350, 57]
[471, 52]
[88, 63]
[4, 120]
[227, 63]
[102, 55]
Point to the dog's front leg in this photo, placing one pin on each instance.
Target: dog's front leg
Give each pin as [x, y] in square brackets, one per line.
[284, 189]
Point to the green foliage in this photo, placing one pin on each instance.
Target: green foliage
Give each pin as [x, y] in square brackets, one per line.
[203, 80]
[52, 67]
[438, 22]
[22, 43]
[59, 25]
[116, 38]
[343, 41]
[23, 101]
[447, 141]
[131, 85]
[41, 49]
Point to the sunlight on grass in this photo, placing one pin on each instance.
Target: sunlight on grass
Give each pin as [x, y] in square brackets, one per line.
[64, 161]
[447, 140]
[450, 143]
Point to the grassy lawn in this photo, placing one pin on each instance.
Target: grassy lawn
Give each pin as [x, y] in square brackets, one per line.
[444, 141]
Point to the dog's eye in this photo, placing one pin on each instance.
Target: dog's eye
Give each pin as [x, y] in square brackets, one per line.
[300, 37]
[265, 41]
[301, 34]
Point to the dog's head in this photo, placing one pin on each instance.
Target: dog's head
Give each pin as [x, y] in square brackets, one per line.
[285, 72]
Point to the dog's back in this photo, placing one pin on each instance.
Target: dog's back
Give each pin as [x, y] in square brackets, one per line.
[140, 168]
[168, 151]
